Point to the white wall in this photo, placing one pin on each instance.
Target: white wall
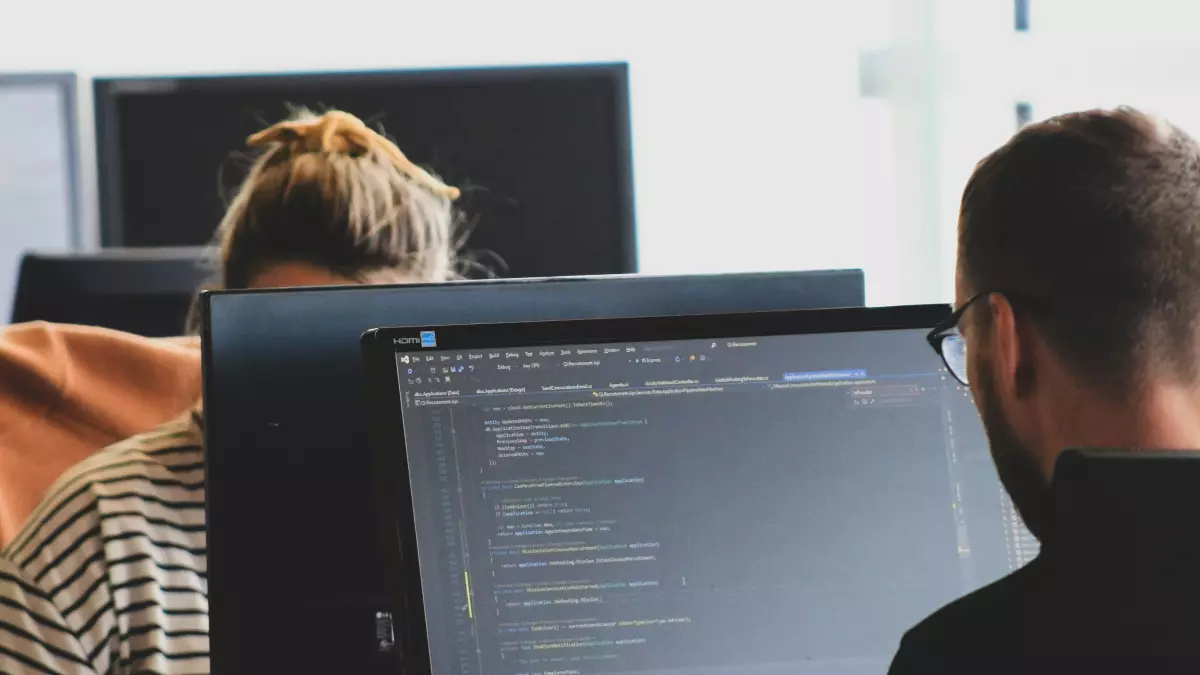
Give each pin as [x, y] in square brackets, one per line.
[753, 148]
[35, 187]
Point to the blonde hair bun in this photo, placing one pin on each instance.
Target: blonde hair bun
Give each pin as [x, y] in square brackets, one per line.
[328, 191]
[338, 132]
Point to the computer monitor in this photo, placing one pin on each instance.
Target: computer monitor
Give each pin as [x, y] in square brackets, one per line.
[542, 154]
[731, 495]
[294, 551]
[143, 291]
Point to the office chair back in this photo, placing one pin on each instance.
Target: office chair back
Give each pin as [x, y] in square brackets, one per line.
[146, 291]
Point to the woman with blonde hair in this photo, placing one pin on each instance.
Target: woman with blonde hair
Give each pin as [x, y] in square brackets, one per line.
[109, 574]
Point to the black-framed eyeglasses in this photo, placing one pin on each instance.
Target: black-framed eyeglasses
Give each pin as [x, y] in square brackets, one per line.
[948, 341]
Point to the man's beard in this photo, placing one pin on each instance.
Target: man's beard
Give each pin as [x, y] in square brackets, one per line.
[1015, 462]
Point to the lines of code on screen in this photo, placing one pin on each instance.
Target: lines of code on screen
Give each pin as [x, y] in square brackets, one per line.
[784, 504]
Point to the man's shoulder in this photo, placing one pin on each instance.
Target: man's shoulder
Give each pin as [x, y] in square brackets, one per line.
[998, 602]
[981, 626]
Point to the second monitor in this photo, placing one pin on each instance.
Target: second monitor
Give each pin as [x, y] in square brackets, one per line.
[146, 291]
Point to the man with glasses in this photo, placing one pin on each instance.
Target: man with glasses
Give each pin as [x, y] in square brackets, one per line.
[1077, 326]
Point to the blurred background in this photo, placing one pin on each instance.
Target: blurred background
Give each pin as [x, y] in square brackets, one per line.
[762, 135]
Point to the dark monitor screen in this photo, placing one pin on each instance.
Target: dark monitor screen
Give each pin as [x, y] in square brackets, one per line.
[288, 453]
[542, 154]
[145, 291]
[725, 495]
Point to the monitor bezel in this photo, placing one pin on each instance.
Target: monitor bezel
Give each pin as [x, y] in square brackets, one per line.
[398, 521]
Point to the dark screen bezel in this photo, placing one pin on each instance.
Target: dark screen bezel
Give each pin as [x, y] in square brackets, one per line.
[387, 429]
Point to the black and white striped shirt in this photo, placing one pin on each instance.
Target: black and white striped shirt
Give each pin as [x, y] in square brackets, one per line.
[110, 574]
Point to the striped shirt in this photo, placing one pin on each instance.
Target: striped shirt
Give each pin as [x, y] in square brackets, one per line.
[110, 573]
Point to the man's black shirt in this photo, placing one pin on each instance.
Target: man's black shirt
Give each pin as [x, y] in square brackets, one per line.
[1063, 615]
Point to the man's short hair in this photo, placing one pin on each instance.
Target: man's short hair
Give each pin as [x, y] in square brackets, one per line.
[1093, 219]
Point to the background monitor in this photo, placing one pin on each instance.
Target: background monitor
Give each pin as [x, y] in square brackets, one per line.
[295, 556]
[39, 170]
[143, 291]
[729, 495]
[542, 153]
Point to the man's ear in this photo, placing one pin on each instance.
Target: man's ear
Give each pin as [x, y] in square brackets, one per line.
[1012, 370]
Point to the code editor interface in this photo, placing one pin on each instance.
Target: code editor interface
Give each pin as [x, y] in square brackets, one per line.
[753, 505]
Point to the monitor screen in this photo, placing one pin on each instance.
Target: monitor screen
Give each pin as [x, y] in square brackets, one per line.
[740, 505]
[542, 154]
[288, 450]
